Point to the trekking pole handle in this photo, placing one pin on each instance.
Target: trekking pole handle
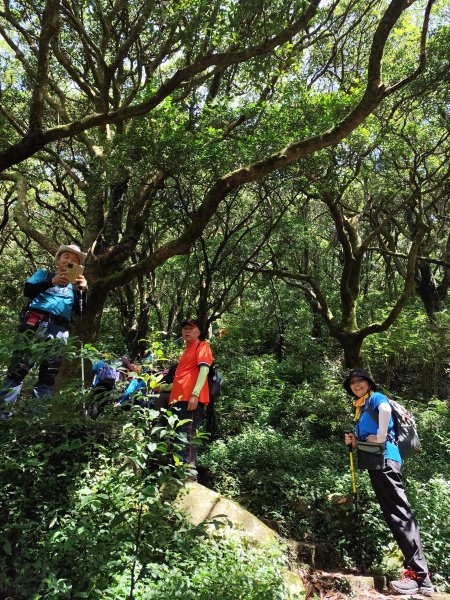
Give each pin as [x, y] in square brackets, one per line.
[349, 446]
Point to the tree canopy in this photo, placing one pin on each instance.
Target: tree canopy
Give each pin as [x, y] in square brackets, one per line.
[127, 125]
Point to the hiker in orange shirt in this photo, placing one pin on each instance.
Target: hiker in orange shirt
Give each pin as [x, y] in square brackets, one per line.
[190, 393]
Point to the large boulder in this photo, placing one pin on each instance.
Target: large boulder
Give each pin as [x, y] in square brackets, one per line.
[199, 504]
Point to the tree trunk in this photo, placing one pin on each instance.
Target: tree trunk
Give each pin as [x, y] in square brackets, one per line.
[86, 329]
[352, 346]
[427, 289]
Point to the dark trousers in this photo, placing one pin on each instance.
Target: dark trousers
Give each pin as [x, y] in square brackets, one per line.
[188, 453]
[388, 487]
[21, 363]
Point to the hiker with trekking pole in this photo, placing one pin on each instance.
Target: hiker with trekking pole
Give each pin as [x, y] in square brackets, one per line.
[52, 298]
[377, 442]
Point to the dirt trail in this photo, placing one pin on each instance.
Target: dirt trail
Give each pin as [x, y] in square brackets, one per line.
[334, 585]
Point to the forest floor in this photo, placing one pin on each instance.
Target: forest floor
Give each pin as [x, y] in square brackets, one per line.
[334, 585]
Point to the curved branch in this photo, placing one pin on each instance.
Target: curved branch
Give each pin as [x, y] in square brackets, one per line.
[20, 216]
[50, 23]
[407, 288]
[35, 141]
[422, 53]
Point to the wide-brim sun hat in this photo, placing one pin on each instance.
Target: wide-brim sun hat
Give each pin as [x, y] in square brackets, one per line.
[71, 248]
[358, 373]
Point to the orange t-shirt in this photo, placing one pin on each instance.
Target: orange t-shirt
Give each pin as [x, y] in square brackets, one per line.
[186, 374]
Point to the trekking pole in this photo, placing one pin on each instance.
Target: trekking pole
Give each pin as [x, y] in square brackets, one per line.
[352, 471]
[360, 564]
[80, 304]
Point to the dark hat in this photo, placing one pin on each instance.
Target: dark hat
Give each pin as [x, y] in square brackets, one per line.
[192, 322]
[358, 373]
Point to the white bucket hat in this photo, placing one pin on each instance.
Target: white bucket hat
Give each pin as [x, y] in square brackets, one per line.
[71, 248]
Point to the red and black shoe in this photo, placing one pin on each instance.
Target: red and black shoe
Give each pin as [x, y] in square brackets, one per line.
[411, 583]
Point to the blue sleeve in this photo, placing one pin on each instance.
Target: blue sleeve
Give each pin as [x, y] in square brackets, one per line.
[133, 386]
[38, 277]
[39, 282]
[376, 399]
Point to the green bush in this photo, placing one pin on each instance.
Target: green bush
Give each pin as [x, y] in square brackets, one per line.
[431, 504]
[295, 484]
[220, 568]
[284, 459]
[88, 513]
[411, 358]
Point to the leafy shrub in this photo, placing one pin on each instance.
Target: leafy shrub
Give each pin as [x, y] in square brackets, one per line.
[411, 357]
[220, 568]
[277, 477]
[284, 459]
[88, 513]
[431, 504]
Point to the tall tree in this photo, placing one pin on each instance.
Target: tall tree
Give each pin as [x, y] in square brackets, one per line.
[206, 80]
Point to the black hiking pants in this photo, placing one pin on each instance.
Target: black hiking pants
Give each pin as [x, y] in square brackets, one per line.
[194, 418]
[22, 361]
[388, 487]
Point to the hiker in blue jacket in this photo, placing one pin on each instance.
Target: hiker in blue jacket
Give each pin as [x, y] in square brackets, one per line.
[384, 470]
[135, 386]
[52, 300]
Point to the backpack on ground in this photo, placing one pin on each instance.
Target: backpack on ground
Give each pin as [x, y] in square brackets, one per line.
[405, 429]
[107, 377]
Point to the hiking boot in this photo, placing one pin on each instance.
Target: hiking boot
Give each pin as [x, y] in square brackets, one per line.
[411, 583]
[425, 586]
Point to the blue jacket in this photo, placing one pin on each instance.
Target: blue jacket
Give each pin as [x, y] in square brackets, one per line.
[53, 299]
[367, 426]
[134, 386]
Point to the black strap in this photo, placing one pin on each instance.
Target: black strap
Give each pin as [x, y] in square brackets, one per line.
[372, 413]
[375, 416]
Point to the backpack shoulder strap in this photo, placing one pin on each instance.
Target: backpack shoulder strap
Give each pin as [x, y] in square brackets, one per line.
[372, 412]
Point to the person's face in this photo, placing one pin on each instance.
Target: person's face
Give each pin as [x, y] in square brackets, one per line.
[359, 386]
[65, 258]
[190, 333]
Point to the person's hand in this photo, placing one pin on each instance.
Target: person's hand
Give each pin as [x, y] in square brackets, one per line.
[376, 439]
[193, 403]
[350, 439]
[60, 279]
[81, 282]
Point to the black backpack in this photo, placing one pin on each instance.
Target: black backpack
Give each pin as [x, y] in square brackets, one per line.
[405, 429]
[214, 383]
